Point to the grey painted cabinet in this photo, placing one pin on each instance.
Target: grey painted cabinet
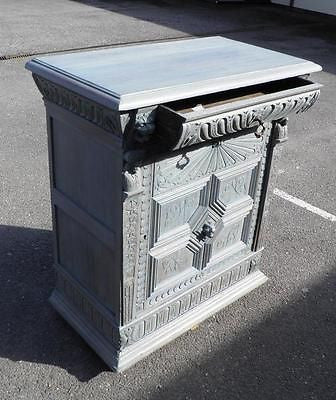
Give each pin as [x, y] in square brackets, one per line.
[159, 164]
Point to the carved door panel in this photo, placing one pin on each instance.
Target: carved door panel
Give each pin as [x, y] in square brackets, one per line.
[203, 202]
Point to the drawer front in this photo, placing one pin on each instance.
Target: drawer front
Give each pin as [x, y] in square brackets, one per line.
[202, 207]
[188, 122]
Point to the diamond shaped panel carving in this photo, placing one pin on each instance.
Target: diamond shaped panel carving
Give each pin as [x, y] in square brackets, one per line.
[201, 219]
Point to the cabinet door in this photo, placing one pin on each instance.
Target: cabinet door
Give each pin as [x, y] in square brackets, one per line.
[204, 207]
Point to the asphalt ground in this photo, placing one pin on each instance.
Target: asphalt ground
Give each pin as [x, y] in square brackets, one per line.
[278, 342]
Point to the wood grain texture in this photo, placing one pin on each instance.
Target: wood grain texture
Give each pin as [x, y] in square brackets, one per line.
[143, 75]
[157, 211]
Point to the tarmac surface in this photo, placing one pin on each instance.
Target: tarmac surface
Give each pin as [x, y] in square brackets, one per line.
[278, 342]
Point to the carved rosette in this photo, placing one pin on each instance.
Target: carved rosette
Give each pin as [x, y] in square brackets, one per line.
[181, 170]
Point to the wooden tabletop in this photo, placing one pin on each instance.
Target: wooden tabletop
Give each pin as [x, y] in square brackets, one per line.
[136, 76]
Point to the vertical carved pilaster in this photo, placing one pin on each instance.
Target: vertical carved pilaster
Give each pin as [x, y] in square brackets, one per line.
[132, 187]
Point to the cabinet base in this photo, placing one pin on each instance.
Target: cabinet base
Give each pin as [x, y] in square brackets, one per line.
[119, 360]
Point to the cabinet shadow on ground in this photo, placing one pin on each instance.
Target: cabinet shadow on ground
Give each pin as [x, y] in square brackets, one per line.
[290, 354]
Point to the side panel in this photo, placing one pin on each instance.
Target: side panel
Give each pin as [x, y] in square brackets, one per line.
[86, 190]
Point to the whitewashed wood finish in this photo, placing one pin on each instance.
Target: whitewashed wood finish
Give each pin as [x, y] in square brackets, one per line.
[157, 211]
[150, 74]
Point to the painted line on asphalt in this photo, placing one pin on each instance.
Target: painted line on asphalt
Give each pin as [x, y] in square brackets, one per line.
[303, 204]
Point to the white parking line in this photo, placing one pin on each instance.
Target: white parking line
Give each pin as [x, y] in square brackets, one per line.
[303, 204]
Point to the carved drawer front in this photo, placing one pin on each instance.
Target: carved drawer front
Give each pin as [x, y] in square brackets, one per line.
[196, 120]
[202, 207]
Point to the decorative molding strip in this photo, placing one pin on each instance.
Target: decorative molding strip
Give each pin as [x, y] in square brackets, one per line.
[167, 313]
[210, 128]
[88, 307]
[107, 119]
[259, 186]
[131, 214]
[120, 337]
[145, 214]
[189, 282]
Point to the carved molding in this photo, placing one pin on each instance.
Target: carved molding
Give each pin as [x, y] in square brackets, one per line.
[131, 215]
[210, 128]
[205, 161]
[145, 215]
[136, 214]
[103, 323]
[199, 294]
[121, 337]
[259, 186]
[107, 119]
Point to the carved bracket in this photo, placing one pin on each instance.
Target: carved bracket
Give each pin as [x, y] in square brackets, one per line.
[144, 126]
[280, 130]
[132, 182]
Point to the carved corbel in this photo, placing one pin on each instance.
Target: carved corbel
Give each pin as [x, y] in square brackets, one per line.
[280, 130]
[144, 126]
[132, 182]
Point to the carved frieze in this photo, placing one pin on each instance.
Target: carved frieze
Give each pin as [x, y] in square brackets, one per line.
[258, 186]
[105, 118]
[141, 275]
[194, 131]
[131, 216]
[190, 132]
[180, 170]
[183, 304]
[105, 324]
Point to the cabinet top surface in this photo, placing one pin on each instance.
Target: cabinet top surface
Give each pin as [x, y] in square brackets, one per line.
[130, 77]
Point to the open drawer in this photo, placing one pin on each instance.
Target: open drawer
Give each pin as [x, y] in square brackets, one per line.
[195, 120]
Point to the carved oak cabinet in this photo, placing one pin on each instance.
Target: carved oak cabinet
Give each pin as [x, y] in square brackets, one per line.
[160, 156]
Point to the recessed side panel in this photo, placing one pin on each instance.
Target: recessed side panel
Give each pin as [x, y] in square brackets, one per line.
[86, 194]
[90, 262]
[87, 167]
